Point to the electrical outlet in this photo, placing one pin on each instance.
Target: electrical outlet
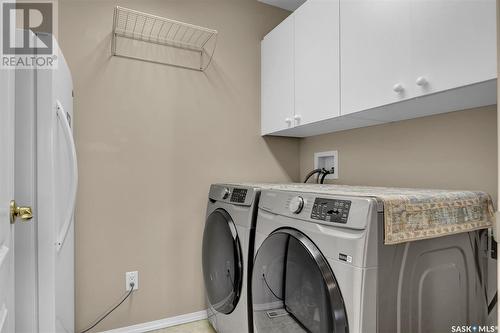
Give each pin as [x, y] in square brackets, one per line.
[328, 160]
[132, 277]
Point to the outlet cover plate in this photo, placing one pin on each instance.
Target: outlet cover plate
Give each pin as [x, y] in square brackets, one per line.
[132, 277]
[327, 160]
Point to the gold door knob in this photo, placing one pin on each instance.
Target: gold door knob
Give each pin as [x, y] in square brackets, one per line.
[24, 213]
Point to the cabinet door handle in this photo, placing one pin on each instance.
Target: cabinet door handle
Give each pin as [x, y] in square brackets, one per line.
[421, 81]
[288, 121]
[398, 87]
[297, 118]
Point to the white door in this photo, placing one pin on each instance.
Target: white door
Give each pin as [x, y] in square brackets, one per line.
[454, 43]
[375, 49]
[25, 173]
[7, 319]
[7, 124]
[317, 81]
[277, 77]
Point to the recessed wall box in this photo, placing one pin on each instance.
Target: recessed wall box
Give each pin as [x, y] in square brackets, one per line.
[328, 160]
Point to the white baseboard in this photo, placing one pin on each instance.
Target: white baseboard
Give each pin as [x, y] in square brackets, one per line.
[162, 323]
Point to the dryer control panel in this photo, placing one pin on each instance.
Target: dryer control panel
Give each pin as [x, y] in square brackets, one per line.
[239, 195]
[331, 210]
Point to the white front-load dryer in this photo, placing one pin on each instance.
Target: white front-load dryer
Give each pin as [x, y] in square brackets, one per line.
[227, 252]
[321, 266]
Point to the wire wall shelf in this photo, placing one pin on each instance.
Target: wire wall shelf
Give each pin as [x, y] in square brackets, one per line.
[149, 32]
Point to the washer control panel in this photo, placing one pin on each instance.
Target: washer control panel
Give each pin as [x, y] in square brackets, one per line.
[331, 210]
[239, 195]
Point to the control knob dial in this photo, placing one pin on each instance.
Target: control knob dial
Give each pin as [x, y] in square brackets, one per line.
[225, 193]
[296, 204]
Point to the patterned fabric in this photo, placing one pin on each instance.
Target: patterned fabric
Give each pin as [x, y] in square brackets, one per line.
[413, 214]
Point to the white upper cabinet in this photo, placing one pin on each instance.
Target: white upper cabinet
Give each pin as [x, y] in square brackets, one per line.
[317, 77]
[340, 64]
[392, 50]
[277, 78]
[375, 53]
[454, 43]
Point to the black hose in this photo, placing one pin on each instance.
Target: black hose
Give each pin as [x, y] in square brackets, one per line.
[312, 173]
[326, 173]
[322, 173]
[324, 176]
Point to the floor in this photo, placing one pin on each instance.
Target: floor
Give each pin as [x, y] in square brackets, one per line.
[201, 326]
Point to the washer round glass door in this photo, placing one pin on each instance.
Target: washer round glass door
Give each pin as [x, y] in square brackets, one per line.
[222, 262]
[294, 288]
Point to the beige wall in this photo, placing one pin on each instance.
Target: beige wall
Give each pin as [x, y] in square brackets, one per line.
[457, 150]
[150, 140]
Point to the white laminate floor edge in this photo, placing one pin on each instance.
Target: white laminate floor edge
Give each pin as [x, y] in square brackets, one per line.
[162, 323]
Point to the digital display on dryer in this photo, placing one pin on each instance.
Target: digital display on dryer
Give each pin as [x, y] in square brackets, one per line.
[331, 210]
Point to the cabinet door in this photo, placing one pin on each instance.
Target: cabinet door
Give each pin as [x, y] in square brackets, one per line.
[317, 81]
[277, 77]
[454, 43]
[375, 53]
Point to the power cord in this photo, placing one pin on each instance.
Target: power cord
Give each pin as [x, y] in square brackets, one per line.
[132, 285]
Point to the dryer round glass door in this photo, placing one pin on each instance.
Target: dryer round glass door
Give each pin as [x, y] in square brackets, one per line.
[222, 262]
[294, 288]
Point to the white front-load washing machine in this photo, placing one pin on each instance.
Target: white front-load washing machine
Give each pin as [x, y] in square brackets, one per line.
[227, 253]
[321, 266]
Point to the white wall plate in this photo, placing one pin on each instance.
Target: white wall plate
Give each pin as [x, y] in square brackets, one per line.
[327, 160]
